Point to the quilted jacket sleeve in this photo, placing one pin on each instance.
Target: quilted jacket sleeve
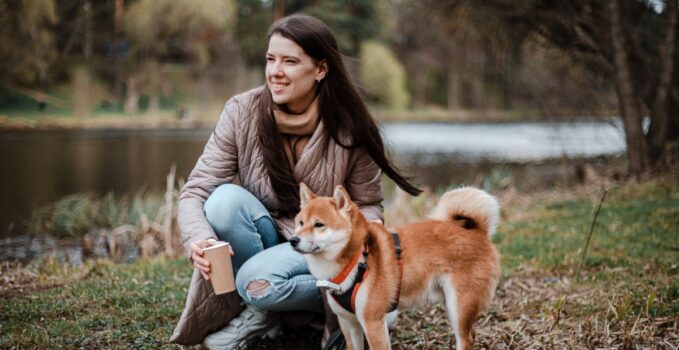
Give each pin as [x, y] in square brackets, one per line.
[217, 165]
[364, 184]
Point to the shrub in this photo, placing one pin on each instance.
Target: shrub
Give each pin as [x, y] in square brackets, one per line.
[78, 214]
[383, 76]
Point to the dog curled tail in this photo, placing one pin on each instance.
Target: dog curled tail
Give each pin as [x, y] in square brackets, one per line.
[470, 208]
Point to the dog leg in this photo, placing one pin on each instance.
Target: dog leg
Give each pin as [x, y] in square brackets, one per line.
[352, 332]
[461, 318]
[465, 324]
[377, 333]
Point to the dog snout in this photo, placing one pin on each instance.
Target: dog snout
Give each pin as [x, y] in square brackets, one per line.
[294, 241]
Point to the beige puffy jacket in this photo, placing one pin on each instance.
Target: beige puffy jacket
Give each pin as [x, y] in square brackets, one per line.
[233, 150]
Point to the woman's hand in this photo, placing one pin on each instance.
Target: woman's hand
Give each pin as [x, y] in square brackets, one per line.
[199, 262]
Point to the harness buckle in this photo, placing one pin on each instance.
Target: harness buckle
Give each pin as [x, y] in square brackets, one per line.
[328, 284]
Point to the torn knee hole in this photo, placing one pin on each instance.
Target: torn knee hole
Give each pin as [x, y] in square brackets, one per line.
[258, 287]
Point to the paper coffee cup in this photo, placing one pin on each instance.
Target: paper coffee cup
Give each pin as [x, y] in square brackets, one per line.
[221, 271]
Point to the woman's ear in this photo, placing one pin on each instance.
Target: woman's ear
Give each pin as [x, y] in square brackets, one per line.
[322, 70]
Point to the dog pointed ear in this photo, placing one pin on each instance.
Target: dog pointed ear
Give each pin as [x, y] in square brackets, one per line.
[305, 194]
[341, 197]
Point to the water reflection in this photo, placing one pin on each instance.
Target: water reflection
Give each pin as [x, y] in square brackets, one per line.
[509, 142]
[40, 167]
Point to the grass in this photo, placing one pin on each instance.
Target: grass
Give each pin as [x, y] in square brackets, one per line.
[77, 214]
[633, 230]
[108, 306]
[628, 295]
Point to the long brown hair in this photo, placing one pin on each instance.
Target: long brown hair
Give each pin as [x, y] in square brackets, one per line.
[340, 107]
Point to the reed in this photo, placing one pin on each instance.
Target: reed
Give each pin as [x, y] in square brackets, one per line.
[147, 219]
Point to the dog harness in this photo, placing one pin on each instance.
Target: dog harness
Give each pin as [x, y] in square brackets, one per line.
[347, 298]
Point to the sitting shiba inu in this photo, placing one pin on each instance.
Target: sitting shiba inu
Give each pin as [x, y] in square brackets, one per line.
[369, 271]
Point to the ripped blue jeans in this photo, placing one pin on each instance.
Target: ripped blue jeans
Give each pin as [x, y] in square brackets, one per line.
[281, 278]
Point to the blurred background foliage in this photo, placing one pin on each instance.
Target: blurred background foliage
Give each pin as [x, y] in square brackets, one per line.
[383, 76]
[544, 58]
[147, 55]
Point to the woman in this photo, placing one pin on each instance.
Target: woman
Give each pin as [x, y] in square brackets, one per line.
[306, 124]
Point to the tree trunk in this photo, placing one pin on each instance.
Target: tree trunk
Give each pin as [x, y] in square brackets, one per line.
[118, 43]
[478, 98]
[154, 84]
[419, 87]
[673, 125]
[279, 9]
[132, 98]
[154, 103]
[454, 82]
[657, 136]
[87, 46]
[82, 86]
[627, 98]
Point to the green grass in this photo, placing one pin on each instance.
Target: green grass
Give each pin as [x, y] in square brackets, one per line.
[115, 306]
[631, 272]
[635, 229]
[633, 257]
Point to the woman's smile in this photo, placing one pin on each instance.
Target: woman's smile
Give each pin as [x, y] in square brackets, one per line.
[276, 87]
[291, 74]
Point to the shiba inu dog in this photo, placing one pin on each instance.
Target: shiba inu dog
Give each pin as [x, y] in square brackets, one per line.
[368, 270]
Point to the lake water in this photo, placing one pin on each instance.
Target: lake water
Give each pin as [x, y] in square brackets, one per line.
[39, 167]
[509, 141]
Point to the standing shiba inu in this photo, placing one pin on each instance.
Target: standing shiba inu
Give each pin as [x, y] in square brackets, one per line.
[369, 271]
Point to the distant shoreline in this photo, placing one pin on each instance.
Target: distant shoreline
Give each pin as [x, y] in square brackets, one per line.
[167, 120]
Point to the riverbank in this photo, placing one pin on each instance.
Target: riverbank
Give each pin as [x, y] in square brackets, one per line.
[628, 293]
[160, 120]
[206, 116]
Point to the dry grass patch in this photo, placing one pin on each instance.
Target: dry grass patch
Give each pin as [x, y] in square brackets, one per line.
[534, 310]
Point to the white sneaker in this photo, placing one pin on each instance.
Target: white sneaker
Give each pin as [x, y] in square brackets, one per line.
[252, 323]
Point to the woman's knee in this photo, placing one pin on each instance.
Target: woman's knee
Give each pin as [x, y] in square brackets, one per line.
[256, 286]
[226, 204]
[271, 279]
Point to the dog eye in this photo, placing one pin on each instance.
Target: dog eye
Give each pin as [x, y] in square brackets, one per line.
[318, 225]
[301, 223]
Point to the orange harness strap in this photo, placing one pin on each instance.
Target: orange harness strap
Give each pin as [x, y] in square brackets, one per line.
[347, 299]
[346, 270]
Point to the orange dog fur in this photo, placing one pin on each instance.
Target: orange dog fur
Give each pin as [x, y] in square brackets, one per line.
[449, 258]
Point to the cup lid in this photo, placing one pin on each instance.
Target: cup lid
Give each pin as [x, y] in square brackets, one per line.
[218, 245]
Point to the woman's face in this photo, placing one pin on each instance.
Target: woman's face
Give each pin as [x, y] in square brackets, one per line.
[291, 74]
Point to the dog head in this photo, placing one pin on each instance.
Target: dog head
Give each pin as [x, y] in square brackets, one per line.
[323, 224]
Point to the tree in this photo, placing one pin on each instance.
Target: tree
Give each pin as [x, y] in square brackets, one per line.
[27, 45]
[165, 30]
[629, 104]
[353, 21]
[659, 131]
[253, 20]
[631, 41]
[383, 75]
[458, 47]
[417, 27]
